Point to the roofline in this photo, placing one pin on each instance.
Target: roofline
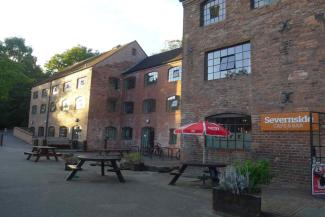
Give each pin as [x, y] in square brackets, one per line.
[127, 72]
[81, 69]
[175, 60]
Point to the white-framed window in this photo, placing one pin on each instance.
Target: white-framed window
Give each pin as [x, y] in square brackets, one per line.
[80, 102]
[81, 82]
[261, 3]
[150, 78]
[55, 90]
[65, 105]
[229, 61]
[175, 74]
[213, 11]
[173, 103]
[67, 86]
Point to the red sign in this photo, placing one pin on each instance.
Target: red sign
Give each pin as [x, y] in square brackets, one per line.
[318, 179]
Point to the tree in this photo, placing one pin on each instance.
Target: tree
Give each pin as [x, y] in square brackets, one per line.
[171, 45]
[71, 56]
[18, 71]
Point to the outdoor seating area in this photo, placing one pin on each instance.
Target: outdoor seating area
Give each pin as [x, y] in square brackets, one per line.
[42, 151]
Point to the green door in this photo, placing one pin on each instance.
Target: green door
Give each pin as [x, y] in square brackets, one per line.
[147, 139]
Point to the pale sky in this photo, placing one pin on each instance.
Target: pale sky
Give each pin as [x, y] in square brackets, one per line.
[52, 26]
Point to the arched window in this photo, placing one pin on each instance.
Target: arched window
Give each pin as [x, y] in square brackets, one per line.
[173, 103]
[175, 74]
[51, 132]
[128, 107]
[80, 102]
[63, 131]
[240, 127]
[127, 133]
[41, 131]
[114, 83]
[129, 83]
[149, 105]
[52, 107]
[213, 11]
[110, 133]
[150, 78]
[65, 105]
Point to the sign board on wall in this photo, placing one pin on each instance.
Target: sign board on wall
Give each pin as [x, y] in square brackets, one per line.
[294, 121]
[318, 179]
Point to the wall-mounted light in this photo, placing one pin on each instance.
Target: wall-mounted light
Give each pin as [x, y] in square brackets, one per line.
[148, 121]
[77, 120]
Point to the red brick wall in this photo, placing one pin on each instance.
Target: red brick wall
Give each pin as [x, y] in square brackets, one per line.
[161, 120]
[100, 118]
[300, 71]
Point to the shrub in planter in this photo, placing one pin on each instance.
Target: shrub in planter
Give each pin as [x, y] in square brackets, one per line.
[239, 189]
[133, 162]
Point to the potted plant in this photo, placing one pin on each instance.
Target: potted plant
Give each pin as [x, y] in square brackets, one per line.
[239, 190]
[134, 162]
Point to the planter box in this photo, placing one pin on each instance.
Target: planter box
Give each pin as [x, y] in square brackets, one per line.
[228, 204]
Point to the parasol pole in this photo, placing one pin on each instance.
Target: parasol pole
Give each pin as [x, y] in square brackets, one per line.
[204, 142]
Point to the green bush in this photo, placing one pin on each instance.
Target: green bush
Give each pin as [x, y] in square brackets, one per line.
[134, 157]
[258, 172]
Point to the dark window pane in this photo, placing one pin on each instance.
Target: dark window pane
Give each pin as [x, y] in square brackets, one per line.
[63, 132]
[110, 133]
[128, 107]
[240, 128]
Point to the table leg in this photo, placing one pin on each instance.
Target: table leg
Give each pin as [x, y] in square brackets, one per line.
[181, 171]
[73, 172]
[117, 171]
[54, 153]
[214, 175]
[38, 155]
[47, 153]
[102, 164]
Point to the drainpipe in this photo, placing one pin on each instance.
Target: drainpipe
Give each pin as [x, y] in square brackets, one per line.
[47, 114]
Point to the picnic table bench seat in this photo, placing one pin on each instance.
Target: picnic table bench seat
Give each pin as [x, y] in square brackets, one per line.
[212, 170]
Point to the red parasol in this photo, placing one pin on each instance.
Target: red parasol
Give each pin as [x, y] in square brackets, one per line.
[203, 128]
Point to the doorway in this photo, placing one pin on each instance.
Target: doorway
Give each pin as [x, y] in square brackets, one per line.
[147, 140]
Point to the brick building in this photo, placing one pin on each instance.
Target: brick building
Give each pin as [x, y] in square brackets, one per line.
[251, 63]
[61, 107]
[118, 98]
[137, 110]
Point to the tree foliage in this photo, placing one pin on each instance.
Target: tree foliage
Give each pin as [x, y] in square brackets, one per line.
[18, 70]
[171, 45]
[71, 56]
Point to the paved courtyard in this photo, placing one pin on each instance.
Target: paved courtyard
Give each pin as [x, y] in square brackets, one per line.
[29, 189]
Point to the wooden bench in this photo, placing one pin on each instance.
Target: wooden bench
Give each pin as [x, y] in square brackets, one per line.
[212, 169]
[30, 154]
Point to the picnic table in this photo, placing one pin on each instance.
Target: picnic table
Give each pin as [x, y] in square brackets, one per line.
[42, 151]
[102, 159]
[213, 170]
[108, 151]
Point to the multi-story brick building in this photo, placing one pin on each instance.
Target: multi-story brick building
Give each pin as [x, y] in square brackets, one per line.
[142, 105]
[121, 97]
[251, 65]
[63, 105]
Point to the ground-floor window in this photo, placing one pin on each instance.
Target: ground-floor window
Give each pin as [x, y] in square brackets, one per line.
[127, 133]
[110, 133]
[41, 131]
[63, 132]
[172, 137]
[240, 127]
[51, 132]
